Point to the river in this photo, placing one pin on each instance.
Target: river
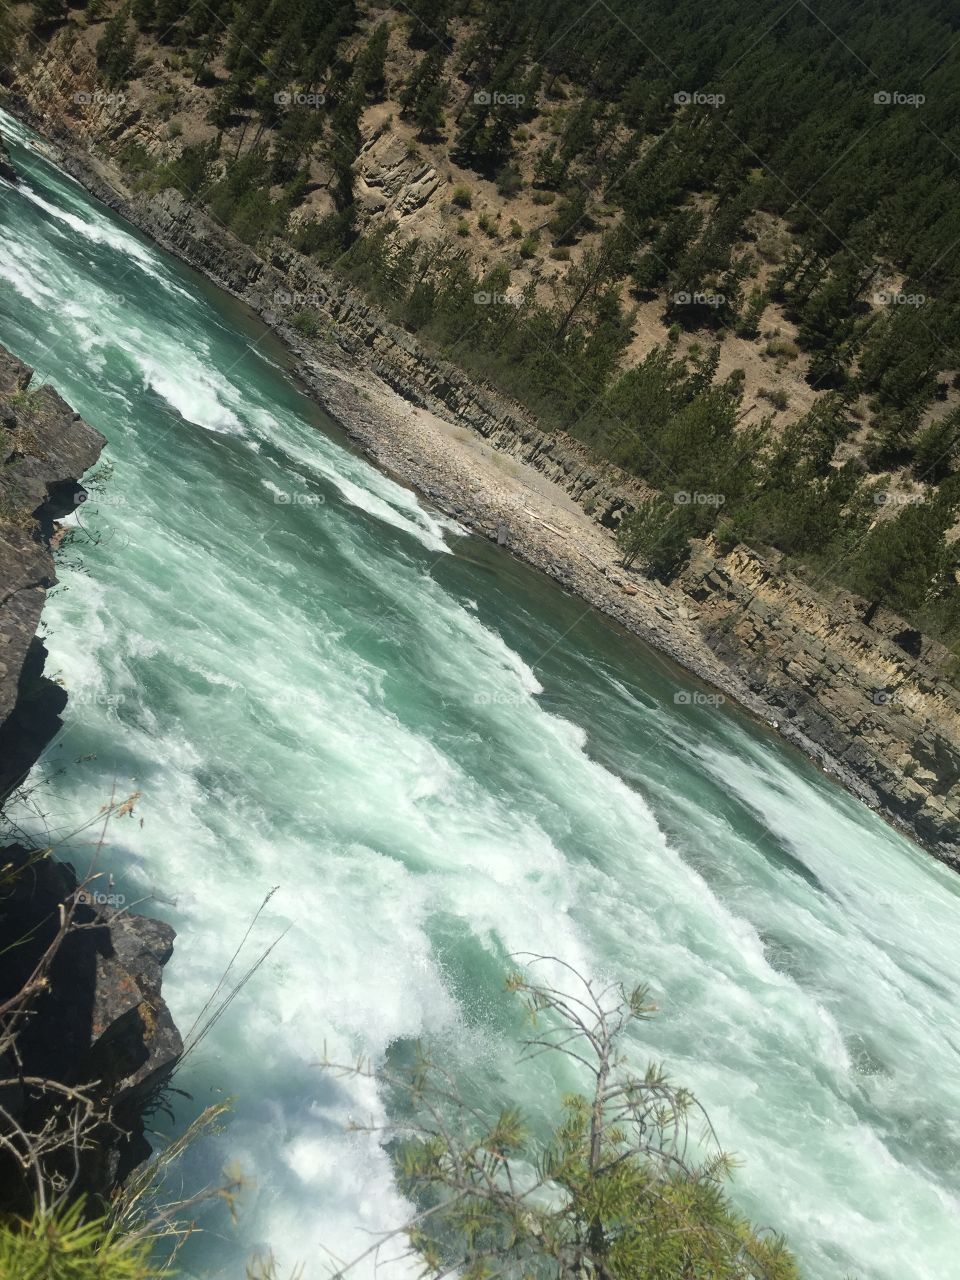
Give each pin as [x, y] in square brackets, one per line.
[316, 682]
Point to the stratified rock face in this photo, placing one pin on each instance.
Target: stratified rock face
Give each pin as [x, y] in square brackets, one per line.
[873, 694]
[100, 1024]
[44, 449]
[290, 282]
[391, 180]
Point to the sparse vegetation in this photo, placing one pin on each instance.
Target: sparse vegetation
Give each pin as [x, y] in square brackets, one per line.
[651, 203]
[617, 1189]
[782, 347]
[308, 323]
[775, 396]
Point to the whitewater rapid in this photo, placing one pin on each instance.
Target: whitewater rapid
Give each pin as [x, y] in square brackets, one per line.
[317, 683]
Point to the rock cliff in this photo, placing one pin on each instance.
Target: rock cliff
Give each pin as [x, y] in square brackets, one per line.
[7, 170]
[864, 685]
[96, 1020]
[44, 449]
[99, 1024]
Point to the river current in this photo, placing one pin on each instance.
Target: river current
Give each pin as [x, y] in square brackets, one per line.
[318, 683]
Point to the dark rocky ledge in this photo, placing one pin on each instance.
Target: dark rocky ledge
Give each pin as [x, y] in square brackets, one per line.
[97, 1022]
[100, 1025]
[6, 168]
[44, 449]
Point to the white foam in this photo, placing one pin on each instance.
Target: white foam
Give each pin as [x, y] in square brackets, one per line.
[12, 128]
[17, 272]
[192, 392]
[100, 230]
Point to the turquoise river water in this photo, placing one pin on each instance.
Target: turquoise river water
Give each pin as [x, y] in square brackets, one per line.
[318, 683]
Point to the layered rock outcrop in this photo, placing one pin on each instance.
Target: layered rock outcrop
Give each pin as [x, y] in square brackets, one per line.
[390, 180]
[868, 688]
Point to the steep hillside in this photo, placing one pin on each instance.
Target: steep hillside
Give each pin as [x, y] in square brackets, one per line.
[719, 249]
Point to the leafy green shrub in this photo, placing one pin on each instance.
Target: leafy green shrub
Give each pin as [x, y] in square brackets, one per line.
[613, 1192]
[462, 198]
[327, 238]
[308, 323]
[660, 533]
[136, 162]
[64, 1247]
[775, 396]
[782, 347]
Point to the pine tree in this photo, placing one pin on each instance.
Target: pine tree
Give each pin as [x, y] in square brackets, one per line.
[46, 14]
[430, 23]
[370, 65]
[937, 449]
[116, 50]
[423, 97]
[902, 560]
[143, 13]
[570, 220]
[749, 324]
[168, 15]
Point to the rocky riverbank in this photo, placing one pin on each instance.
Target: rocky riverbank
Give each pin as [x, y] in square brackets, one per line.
[46, 447]
[80, 1001]
[856, 689]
